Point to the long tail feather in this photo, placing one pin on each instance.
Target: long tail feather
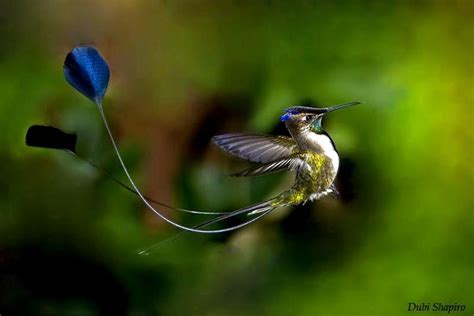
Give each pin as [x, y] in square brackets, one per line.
[53, 138]
[156, 211]
[262, 209]
[126, 187]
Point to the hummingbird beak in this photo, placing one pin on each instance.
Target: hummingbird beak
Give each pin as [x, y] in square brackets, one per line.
[312, 110]
[340, 106]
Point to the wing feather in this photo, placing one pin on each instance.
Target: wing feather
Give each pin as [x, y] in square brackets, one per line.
[256, 148]
[292, 162]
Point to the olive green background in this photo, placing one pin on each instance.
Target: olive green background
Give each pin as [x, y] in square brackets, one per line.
[181, 71]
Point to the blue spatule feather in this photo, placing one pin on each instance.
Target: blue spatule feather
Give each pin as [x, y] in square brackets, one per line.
[87, 72]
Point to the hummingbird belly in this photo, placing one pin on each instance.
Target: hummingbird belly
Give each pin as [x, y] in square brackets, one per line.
[313, 179]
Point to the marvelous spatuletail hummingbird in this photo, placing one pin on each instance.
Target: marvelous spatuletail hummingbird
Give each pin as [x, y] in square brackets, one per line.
[309, 151]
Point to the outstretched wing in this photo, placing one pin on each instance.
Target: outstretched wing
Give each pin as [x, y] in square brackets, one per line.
[256, 148]
[291, 162]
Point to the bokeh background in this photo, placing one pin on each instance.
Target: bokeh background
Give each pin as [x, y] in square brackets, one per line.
[402, 230]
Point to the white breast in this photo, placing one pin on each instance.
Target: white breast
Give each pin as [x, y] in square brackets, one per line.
[322, 144]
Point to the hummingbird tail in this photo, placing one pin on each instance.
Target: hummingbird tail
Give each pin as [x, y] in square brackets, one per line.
[261, 207]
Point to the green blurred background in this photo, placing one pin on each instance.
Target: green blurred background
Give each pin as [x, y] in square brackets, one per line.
[402, 230]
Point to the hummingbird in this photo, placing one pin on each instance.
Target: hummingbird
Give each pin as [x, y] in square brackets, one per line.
[310, 152]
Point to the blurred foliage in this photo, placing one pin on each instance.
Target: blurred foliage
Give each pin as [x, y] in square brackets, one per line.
[183, 71]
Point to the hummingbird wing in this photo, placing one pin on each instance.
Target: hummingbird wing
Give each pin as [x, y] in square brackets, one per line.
[292, 162]
[256, 148]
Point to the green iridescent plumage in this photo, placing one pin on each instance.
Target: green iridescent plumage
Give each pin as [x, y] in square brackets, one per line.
[318, 178]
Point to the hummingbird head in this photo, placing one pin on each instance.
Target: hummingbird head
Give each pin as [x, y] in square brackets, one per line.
[303, 117]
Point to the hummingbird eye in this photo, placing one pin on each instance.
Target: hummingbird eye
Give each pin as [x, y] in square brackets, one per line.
[308, 118]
